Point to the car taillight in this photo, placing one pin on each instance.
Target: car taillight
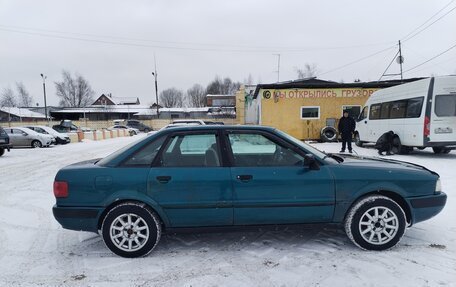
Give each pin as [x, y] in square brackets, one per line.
[427, 128]
[60, 189]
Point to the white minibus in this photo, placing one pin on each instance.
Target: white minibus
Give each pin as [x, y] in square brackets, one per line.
[421, 114]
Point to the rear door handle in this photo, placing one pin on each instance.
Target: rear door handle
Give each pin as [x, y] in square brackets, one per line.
[244, 177]
[163, 178]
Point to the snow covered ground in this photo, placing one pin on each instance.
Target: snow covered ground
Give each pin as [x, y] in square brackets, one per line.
[35, 250]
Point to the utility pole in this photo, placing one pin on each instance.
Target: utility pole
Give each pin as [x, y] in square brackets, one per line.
[44, 92]
[399, 59]
[278, 67]
[156, 86]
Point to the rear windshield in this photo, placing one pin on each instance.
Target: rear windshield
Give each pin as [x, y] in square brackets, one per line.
[445, 105]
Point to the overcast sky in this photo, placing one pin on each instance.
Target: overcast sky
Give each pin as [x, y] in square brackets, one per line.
[112, 43]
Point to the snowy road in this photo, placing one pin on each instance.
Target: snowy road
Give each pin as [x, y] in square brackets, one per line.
[35, 250]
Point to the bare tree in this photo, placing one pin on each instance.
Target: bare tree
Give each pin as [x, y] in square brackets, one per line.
[222, 87]
[24, 98]
[172, 98]
[74, 92]
[8, 99]
[309, 71]
[248, 80]
[197, 96]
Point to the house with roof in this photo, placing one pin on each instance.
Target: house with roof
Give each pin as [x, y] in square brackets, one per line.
[15, 114]
[307, 109]
[109, 100]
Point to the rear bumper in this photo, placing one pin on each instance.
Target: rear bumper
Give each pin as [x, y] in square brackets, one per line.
[426, 207]
[451, 144]
[77, 218]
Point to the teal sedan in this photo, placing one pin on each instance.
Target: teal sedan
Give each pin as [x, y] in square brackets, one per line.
[231, 176]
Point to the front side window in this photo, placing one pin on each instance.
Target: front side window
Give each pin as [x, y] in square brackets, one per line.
[445, 105]
[363, 114]
[258, 150]
[199, 150]
[308, 113]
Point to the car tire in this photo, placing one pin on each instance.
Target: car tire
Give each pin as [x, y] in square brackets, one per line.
[146, 130]
[2, 151]
[36, 144]
[398, 148]
[328, 134]
[443, 150]
[358, 141]
[131, 230]
[375, 222]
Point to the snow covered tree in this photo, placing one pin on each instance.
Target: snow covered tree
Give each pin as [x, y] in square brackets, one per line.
[24, 98]
[8, 99]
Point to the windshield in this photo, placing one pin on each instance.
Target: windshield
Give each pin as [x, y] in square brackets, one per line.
[310, 148]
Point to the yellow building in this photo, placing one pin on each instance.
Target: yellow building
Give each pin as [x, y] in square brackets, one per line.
[306, 108]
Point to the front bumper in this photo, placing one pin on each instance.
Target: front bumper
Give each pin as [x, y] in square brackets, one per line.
[426, 207]
[77, 218]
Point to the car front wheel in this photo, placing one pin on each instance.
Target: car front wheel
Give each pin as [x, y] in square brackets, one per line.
[375, 223]
[131, 230]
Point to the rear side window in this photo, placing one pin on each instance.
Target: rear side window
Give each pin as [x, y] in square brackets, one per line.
[414, 107]
[445, 105]
[146, 155]
[198, 150]
[385, 111]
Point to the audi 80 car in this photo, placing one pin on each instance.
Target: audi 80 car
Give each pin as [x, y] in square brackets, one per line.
[230, 176]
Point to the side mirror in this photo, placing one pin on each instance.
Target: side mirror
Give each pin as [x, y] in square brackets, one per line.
[311, 162]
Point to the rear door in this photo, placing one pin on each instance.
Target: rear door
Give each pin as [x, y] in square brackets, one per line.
[443, 111]
[190, 181]
[271, 184]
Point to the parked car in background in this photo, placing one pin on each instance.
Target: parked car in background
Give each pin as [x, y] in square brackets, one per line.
[138, 125]
[60, 138]
[228, 176]
[4, 141]
[24, 137]
[131, 131]
[189, 121]
[67, 126]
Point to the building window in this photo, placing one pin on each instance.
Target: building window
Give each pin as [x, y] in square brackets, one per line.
[310, 113]
[353, 111]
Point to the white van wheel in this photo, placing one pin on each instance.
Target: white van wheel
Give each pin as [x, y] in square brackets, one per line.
[358, 141]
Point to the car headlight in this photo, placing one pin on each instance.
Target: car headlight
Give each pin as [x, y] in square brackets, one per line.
[438, 186]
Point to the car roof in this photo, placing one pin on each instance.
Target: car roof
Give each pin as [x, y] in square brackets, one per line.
[220, 127]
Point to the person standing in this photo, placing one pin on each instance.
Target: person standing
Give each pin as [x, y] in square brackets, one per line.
[346, 128]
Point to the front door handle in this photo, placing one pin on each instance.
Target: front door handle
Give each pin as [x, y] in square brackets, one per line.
[163, 178]
[244, 177]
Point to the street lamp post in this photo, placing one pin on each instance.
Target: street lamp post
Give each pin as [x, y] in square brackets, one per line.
[156, 91]
[44, 92]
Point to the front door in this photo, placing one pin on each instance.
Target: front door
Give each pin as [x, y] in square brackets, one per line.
[190, 182]
[272, 185]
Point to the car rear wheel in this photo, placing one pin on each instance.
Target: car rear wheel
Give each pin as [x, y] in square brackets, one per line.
[375, 223]
[146, 130]
[131, 230]
[36, 144]
[2, 151]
